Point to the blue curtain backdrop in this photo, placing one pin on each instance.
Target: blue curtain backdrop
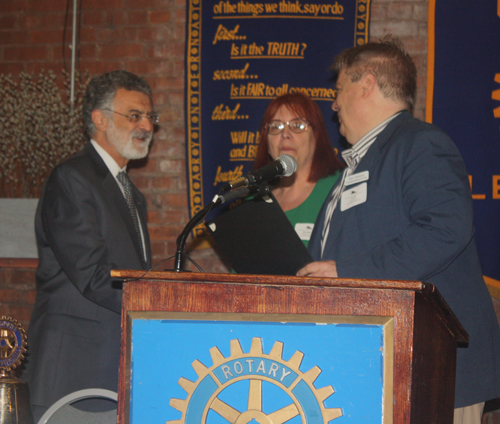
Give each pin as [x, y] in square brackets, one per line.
[463, 99]
[240, 54]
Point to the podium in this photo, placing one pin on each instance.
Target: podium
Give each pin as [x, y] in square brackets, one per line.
[213, 348]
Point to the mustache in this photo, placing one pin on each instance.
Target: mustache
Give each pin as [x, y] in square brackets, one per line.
[142, 135]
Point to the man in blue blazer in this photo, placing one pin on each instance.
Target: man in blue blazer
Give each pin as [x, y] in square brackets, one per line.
[85, 228]
[403, 209]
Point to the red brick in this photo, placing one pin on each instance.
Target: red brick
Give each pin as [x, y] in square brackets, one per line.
[174, 166]
[180, 15]
[11, 68]
[29, 297]
[22, 276]
[14, 6]
[149, 4]
[172, 200]
[164, 82]
[88, 51]
[21, 313]
[415, 45]
[170, 150]
[54, 20]
[159, 252]
[120, 51]
[139, 34]
[399, 28]
[154, 217]
[48, 36]
[99, 67]
[49, 6]
[168, 183]
[21, 53]
[92, 18]
[107, 35]
[401, 11]
[137, 17]
[8, 295]
[172, 217]
[99, 4]
[31, 21]
[37, 67]
[115, 18]
[13, 37]
[165, 232]
[87, 35]
[378, 12]
[420, 12]
[180, 31]
[158, 17]
[8, 22]
[146, 67]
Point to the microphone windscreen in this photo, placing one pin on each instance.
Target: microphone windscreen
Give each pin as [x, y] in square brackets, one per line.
[289, 164]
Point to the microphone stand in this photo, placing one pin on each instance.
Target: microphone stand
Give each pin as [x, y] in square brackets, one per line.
[219, 199]
[181, 240]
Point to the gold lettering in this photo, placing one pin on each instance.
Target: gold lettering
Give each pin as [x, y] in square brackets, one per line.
[224, 177]
[496, 182]
[476, 196]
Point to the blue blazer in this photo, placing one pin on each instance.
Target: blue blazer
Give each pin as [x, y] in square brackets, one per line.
[83, 229]
[417, 224]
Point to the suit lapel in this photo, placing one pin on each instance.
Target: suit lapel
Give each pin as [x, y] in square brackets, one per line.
[118, 202]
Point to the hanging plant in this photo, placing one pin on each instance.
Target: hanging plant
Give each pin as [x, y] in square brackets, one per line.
[38, 129]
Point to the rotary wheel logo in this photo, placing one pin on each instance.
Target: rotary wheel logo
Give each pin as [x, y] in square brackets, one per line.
[12, 344]
[204, 395]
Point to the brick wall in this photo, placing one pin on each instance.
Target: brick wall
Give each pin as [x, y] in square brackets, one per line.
[17, 289]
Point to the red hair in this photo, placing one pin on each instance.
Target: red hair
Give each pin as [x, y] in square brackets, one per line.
[325, 160]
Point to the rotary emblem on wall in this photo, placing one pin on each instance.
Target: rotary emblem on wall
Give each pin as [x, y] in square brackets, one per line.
[12, 344]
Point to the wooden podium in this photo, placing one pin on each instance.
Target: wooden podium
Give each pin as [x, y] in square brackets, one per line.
[419, 334]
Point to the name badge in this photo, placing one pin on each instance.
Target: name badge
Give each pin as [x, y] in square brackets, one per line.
[304, 230]
[353, 196]
[357, 178]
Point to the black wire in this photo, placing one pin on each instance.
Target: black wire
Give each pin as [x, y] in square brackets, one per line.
[192, 261]
[149, 270]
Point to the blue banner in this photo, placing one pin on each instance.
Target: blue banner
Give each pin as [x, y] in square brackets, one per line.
[463, 99]
[240, 54]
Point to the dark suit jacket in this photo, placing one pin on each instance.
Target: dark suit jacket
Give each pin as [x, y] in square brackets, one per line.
[83, 229]
[417, 225]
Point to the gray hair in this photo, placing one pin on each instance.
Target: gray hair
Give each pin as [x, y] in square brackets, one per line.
[102, 91]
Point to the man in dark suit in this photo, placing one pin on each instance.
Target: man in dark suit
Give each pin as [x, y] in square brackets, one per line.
[85, 227]
[403, 209]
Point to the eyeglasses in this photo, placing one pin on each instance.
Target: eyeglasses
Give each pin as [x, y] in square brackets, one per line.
[135, 118]
[296, 125]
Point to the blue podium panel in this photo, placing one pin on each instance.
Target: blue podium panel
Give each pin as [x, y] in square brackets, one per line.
[197, 368]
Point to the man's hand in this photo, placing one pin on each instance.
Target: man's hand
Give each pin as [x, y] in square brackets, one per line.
[319, 269]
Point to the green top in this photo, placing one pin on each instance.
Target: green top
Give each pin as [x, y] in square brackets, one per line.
[304, 216]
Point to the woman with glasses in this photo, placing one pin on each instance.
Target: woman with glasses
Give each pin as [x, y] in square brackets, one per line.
[293, 125]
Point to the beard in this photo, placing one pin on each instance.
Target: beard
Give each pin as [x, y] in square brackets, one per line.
[124, 141]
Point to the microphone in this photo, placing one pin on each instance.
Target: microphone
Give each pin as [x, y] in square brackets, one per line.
[284, 166]
[228, 196]
[232, 195]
